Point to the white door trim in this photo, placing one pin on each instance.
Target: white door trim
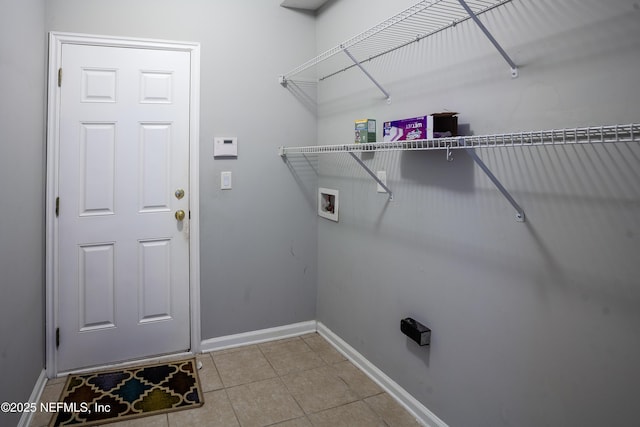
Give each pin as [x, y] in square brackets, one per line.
[56, 40]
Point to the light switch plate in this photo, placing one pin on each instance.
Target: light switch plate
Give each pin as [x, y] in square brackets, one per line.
[225, 180]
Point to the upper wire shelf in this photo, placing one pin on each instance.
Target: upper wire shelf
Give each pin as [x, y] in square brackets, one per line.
[584, 135]
[413, 24]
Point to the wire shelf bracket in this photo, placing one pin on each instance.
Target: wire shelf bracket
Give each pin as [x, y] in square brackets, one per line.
[373, 175]
[519, 211]
[487, 33]
[366, 73]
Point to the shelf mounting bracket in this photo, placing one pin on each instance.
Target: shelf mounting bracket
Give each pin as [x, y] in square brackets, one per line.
[366, 73]
[492, 177]
[487, 33]
[373, 175]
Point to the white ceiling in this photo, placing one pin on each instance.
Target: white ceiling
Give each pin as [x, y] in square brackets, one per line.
[303, 4]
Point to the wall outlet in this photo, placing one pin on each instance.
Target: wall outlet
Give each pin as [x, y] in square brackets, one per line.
[382, 176]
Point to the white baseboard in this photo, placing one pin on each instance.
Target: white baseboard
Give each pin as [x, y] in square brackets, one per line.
[255, 337]
[38, 388]
[415, 408]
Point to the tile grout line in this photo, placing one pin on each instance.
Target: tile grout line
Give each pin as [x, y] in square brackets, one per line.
[283, 383]
[213, 362]
[225, 388]
[235, 414]
[374, 411]
[339, 377]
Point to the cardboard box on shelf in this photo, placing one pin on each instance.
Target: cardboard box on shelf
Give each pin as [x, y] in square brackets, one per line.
[444, 123]
[437, 125]
[365, 131]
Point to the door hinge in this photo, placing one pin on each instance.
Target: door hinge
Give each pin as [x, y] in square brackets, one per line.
[59, 77]
[57, 206]
[57, 337]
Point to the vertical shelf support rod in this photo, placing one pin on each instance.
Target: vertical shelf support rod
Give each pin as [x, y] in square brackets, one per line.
[492, 177]
[514, 67]
[373, 175]
[355, 61]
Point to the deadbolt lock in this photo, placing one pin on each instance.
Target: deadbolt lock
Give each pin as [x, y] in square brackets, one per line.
[179, 193]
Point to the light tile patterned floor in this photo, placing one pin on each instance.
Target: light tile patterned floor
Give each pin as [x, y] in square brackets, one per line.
[295, 382]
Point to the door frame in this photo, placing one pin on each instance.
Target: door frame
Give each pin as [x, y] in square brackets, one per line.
[56, 41]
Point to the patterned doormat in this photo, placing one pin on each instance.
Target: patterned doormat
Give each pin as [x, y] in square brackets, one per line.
[117, 395]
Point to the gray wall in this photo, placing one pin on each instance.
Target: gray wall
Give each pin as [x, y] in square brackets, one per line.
[22, 113]
[258, 240]
[533, 323]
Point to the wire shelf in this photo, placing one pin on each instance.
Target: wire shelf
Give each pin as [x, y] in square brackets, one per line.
[413, 24]
[585, 135]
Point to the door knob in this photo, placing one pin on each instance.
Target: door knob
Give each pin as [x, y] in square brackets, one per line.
[180, 215]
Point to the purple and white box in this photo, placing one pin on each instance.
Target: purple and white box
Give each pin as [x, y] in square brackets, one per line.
[408, 129]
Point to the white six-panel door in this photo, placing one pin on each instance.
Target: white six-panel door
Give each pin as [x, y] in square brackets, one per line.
[122, 255]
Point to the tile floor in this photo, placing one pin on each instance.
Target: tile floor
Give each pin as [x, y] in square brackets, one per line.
[295, 382]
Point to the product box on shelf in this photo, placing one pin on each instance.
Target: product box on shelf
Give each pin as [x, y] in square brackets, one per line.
[365, 131]
[445, 124]
[437, 125]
